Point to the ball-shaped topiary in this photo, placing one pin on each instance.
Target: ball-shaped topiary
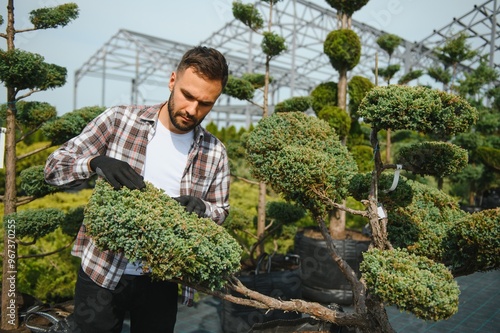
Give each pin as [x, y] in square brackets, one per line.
[343, 48]
[150, 226]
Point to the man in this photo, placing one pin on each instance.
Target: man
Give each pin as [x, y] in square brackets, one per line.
[166, 145]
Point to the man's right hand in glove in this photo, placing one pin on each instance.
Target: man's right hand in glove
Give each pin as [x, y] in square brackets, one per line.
[117, 173]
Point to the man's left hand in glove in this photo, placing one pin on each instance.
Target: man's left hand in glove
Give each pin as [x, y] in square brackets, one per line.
[192, 204]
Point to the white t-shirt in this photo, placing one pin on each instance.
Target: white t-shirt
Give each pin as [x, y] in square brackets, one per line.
[166, 160]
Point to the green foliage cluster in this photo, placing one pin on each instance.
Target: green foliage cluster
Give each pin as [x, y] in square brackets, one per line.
[31, 114]
[358, 87]
[490, 157]
[388, 72]
[36, 223]
[439, 159]
[417, 108]
[475, 242]
[284, 212]
[347, 6]
[33, 183]
[477, 79]
[49, 279]
[439, 74]
[24, 70]
[297, 103]
[25, 163]
[389, 43]
[324, 94]
[298, 154]
[337, 118]
[363, 155]
[343, 48]
[239, 88]
[413, 283]
[59, 16]
[52, 280]
[257, 80]
[455, 50]
[419, 215]
[410, 76]
[425, 222]
[488, 123]
[248, 15]
[150, 226]
[70, 124]
[272, 44]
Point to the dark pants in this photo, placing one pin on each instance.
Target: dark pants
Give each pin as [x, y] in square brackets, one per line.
[152, 305]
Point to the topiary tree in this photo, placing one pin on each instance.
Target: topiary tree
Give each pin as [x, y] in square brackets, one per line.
[476, 86]
[243, 88]
[343, 48]
[453, 52]
[421, 239]
[24, 74]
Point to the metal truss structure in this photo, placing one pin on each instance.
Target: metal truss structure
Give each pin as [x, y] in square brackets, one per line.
[145, 60]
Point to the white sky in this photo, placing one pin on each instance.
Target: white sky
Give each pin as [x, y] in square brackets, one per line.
[187, 21]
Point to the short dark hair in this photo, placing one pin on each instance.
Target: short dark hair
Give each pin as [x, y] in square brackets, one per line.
[207, 62]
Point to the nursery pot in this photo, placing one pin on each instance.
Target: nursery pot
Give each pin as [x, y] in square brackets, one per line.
[322, 280]
[267, 279]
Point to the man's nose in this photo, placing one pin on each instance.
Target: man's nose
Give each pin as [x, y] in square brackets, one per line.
[192, 107]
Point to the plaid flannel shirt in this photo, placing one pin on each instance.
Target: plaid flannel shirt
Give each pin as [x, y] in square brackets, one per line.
[123, 132]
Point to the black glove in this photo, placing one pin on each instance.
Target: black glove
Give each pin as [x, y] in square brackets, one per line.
[192, 204]
[117, 173]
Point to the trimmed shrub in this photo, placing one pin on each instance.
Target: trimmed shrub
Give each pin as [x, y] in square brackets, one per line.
[150, 226]
[413, 283]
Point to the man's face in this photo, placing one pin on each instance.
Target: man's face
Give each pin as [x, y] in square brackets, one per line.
[191, 99]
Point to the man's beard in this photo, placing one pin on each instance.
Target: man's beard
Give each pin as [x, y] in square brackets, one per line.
[173, 116]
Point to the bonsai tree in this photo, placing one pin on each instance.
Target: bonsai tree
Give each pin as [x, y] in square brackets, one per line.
[420, 237]
[455, 51]
[243, 88]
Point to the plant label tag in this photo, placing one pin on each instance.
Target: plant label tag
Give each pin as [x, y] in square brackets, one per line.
[3, 132]
[381, 212]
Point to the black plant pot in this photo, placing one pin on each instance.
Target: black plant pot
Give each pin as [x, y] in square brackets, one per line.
[322, 280]
[283, 284]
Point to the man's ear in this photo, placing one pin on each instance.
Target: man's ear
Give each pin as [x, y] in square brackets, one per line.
[172, 81]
